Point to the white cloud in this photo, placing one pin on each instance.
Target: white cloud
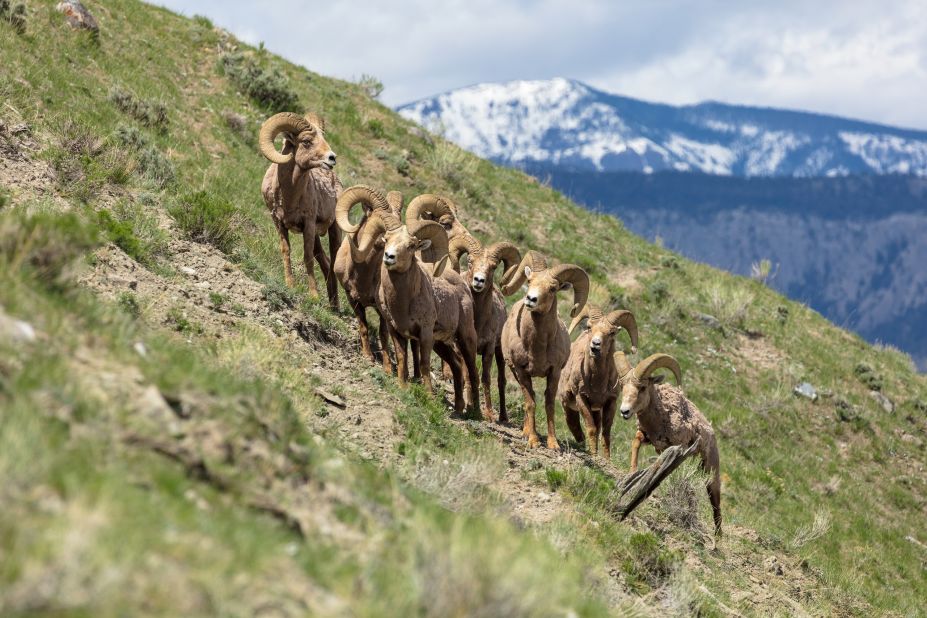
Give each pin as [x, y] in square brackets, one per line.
[860, 59]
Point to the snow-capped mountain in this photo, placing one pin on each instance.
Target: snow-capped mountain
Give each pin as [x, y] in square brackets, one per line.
[569, 125]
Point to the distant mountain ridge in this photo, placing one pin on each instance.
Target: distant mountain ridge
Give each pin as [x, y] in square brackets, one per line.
[572, 126]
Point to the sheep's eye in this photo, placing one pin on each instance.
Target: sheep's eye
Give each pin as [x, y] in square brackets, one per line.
[640, 389]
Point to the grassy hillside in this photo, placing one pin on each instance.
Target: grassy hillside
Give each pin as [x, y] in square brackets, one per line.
[163, 449]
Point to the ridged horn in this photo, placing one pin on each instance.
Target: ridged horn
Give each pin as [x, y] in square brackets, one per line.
[504, 252]
[624, 367]
[621, 318]
[358, 194]
[658, 361]
[365, 240]
[394, 199]
[436, 205]
[430, 230]
[459, 245]
[316, 120]
[515, 278]
[577, 277]
[274, 126]
[593, 312]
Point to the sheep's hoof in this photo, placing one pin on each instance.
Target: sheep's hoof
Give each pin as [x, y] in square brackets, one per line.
[552, 443]
[533, 441]
[488, 415]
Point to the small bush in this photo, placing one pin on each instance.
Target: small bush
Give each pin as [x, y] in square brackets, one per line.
[48, 245]
[269, 88]
[278, 296]
[4, 198]
[658, 292]
[452, 163]
[868, 376]
[128, 302]
[238, 124]
[122, 235]
[762, 271]
[177, 319]
[206, 218]
[152, 114]
[647, 561]
[371, 86]
[151, 163]
[555, 478]
[14, 15]
[375, 128]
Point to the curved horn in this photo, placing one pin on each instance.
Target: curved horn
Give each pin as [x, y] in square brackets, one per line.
[459, 245]
[504, 252]
[621, 318]
[394, 198]
[658, 361]
[358, 194]
[436, 205]
[593, 312]
[623, 365]
[363, 244]
[274, 126]
[514, 278]
[577, 277]
[317, 120]
[430, 230]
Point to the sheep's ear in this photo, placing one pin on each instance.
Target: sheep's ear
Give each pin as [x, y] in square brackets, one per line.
[657, 379]
[528, 271]
[564, 286]
[424, 244]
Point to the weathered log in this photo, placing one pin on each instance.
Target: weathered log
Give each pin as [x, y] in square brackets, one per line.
[637, 487]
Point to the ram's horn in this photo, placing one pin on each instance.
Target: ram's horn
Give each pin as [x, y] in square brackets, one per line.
[657, 361]
[275, 125]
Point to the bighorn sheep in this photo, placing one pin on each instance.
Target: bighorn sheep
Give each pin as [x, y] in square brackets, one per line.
[488, 307]
[300, 189]
[420, 304]
[535, 342]
[359, 273]
[587, 383]
[665, 417]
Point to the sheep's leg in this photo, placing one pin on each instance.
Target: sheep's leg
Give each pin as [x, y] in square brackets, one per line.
[309, 242]
[363, 330]
[416, 364]
[327, 273]
[636, 443]
[592, 429]
[608, 416]
[527, 389]
[400, 344]
[285, 252]
[450, 358]
[467, 345]
[710, 464]
[334, 242]
[550, 397]
[500, 383]
[425, 343]
[485, 375]
[384, 345]
[572, 419]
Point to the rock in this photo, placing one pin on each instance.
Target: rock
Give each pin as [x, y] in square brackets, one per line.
[709, 320]
[331, 398]
[887, 404]
[188, 271]
[78, 17]
[16, 331]
[807, 391]
[773, 566]
[140, 349]
[845, 411]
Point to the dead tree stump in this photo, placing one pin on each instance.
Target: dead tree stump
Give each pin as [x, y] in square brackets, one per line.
[637, 487]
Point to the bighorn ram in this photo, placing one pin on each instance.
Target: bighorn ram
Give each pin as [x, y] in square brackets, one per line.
[300, 189]
[359, 272]
[420, 304]
[587, 384]
[535, 342]
[488, 306]
[665, 417]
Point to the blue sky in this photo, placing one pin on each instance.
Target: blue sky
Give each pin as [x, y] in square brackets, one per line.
[852, 58]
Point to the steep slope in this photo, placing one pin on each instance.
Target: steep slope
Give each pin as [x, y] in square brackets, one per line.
[572, 126]
[163, 448]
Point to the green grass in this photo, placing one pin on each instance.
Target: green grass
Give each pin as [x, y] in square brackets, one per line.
[785, 460]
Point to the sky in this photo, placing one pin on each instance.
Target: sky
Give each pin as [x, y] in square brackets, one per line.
[856, 58]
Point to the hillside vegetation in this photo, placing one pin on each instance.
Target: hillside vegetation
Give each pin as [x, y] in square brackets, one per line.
[164, 449]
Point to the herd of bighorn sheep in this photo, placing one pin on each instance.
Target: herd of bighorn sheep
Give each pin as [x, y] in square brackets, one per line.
[408, 270]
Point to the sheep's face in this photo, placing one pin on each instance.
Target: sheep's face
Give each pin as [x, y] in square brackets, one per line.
[601, 338]
[399, 249]
[481, 271]
[542, 290]
[636, 394]
[311, 149]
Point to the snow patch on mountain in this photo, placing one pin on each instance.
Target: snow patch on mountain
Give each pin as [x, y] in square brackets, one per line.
[566, 123]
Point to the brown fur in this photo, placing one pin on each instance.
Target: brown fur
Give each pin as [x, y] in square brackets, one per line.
[301, 197]
[489, 318]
